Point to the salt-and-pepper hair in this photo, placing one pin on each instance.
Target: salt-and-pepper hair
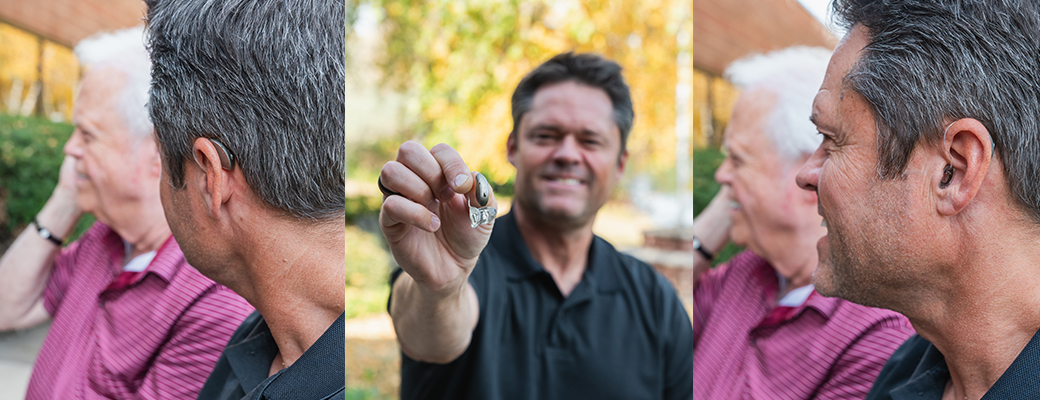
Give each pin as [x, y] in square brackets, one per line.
[794, 76]
[125, 51]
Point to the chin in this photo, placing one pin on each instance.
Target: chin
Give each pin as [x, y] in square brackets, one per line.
[564, 216]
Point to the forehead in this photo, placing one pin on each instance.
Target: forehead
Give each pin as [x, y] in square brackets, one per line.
[571, 106]
[97, 105]
[750, 113]
[832, 92]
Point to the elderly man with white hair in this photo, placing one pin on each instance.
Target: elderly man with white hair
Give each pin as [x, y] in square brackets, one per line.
[759, 328]
[131, 319]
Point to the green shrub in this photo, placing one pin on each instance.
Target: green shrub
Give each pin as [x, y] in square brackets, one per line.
[705, 162]
[31, 152]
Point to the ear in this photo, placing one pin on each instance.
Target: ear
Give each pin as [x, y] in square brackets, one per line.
[621, 162]
[216, 189]
[511, 148]
[968, 147]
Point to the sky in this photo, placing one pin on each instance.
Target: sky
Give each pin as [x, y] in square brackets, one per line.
[818, 9]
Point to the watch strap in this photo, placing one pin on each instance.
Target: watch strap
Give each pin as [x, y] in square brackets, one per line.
[697, 245]
[47, 234]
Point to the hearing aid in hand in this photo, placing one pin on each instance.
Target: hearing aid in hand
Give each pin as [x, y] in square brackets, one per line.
[483, 214]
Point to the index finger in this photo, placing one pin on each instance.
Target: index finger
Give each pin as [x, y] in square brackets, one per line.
[455, 170]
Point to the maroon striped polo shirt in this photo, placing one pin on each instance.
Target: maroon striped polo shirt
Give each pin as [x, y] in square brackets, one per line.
[747, 347]
[149, 335]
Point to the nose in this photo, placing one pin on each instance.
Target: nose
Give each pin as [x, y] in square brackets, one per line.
[808, 177]
[74, 146]
[568, 152]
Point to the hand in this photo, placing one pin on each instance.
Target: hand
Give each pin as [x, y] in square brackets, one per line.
[427, 226]
[712, 225]
[67, 176]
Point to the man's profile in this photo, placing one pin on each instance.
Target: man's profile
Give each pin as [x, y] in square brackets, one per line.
[131, 318]
[247, 100]
[927, 180]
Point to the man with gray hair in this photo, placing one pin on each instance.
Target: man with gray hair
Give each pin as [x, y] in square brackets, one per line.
[247, 100]
[131, 318]
[759, 328]
[929, 180]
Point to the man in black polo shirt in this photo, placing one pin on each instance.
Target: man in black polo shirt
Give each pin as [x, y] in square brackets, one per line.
[247, 100]
[546, 310]
[928, 179]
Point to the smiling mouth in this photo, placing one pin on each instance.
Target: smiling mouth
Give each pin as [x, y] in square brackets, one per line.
[566, 181]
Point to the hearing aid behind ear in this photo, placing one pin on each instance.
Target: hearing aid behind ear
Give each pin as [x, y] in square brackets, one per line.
[227, 160]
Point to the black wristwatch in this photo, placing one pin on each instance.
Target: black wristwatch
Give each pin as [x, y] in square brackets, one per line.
[47, 234]
[697, 245]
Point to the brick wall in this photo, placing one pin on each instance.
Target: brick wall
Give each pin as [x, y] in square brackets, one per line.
[69, 21]
[724, 30]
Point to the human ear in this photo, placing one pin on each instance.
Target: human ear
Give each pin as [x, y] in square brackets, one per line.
[967, 150]
[216, 187]
[511, 148]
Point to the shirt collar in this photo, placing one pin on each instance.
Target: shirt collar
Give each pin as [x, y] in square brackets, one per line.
[600, 270]
[168, 258]
[767, 276]
[932, 373]
[317, 374]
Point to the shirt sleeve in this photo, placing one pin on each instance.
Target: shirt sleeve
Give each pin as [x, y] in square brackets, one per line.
[61, 275]
[855, 371]
[704, 295]
[196, 341]
[678, 349]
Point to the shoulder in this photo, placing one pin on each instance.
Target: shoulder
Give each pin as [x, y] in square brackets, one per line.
[91, 241]
[630, 274]
[738, 269]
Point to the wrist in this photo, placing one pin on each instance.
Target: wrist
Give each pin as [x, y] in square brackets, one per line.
[702, 250]
[58, 216]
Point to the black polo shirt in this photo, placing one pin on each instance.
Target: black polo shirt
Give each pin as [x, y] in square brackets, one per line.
[917, 370]
[241, 372]
[621, 334]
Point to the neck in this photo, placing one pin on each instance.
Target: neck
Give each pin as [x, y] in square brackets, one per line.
[292, 273]
[988, 310]
[793, 255]
[145, 230]
[562, 252]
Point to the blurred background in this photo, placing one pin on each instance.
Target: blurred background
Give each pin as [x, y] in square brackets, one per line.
[443, 72]
[437, 71]
[38, 80]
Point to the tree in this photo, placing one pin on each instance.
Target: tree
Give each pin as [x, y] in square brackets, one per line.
[462, 59]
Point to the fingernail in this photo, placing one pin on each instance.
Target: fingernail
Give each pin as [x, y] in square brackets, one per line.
[461, 179]
[435, 223]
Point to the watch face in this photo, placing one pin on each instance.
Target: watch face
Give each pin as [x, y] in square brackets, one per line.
[696, 243]
[45, 233]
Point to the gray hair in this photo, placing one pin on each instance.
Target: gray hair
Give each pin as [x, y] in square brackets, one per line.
[931, 62]
[794, 76]
[123, 51]
[265, 78]
[587, 69]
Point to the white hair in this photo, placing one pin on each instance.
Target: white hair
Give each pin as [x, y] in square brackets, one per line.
[125, 51]
[794, 76]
